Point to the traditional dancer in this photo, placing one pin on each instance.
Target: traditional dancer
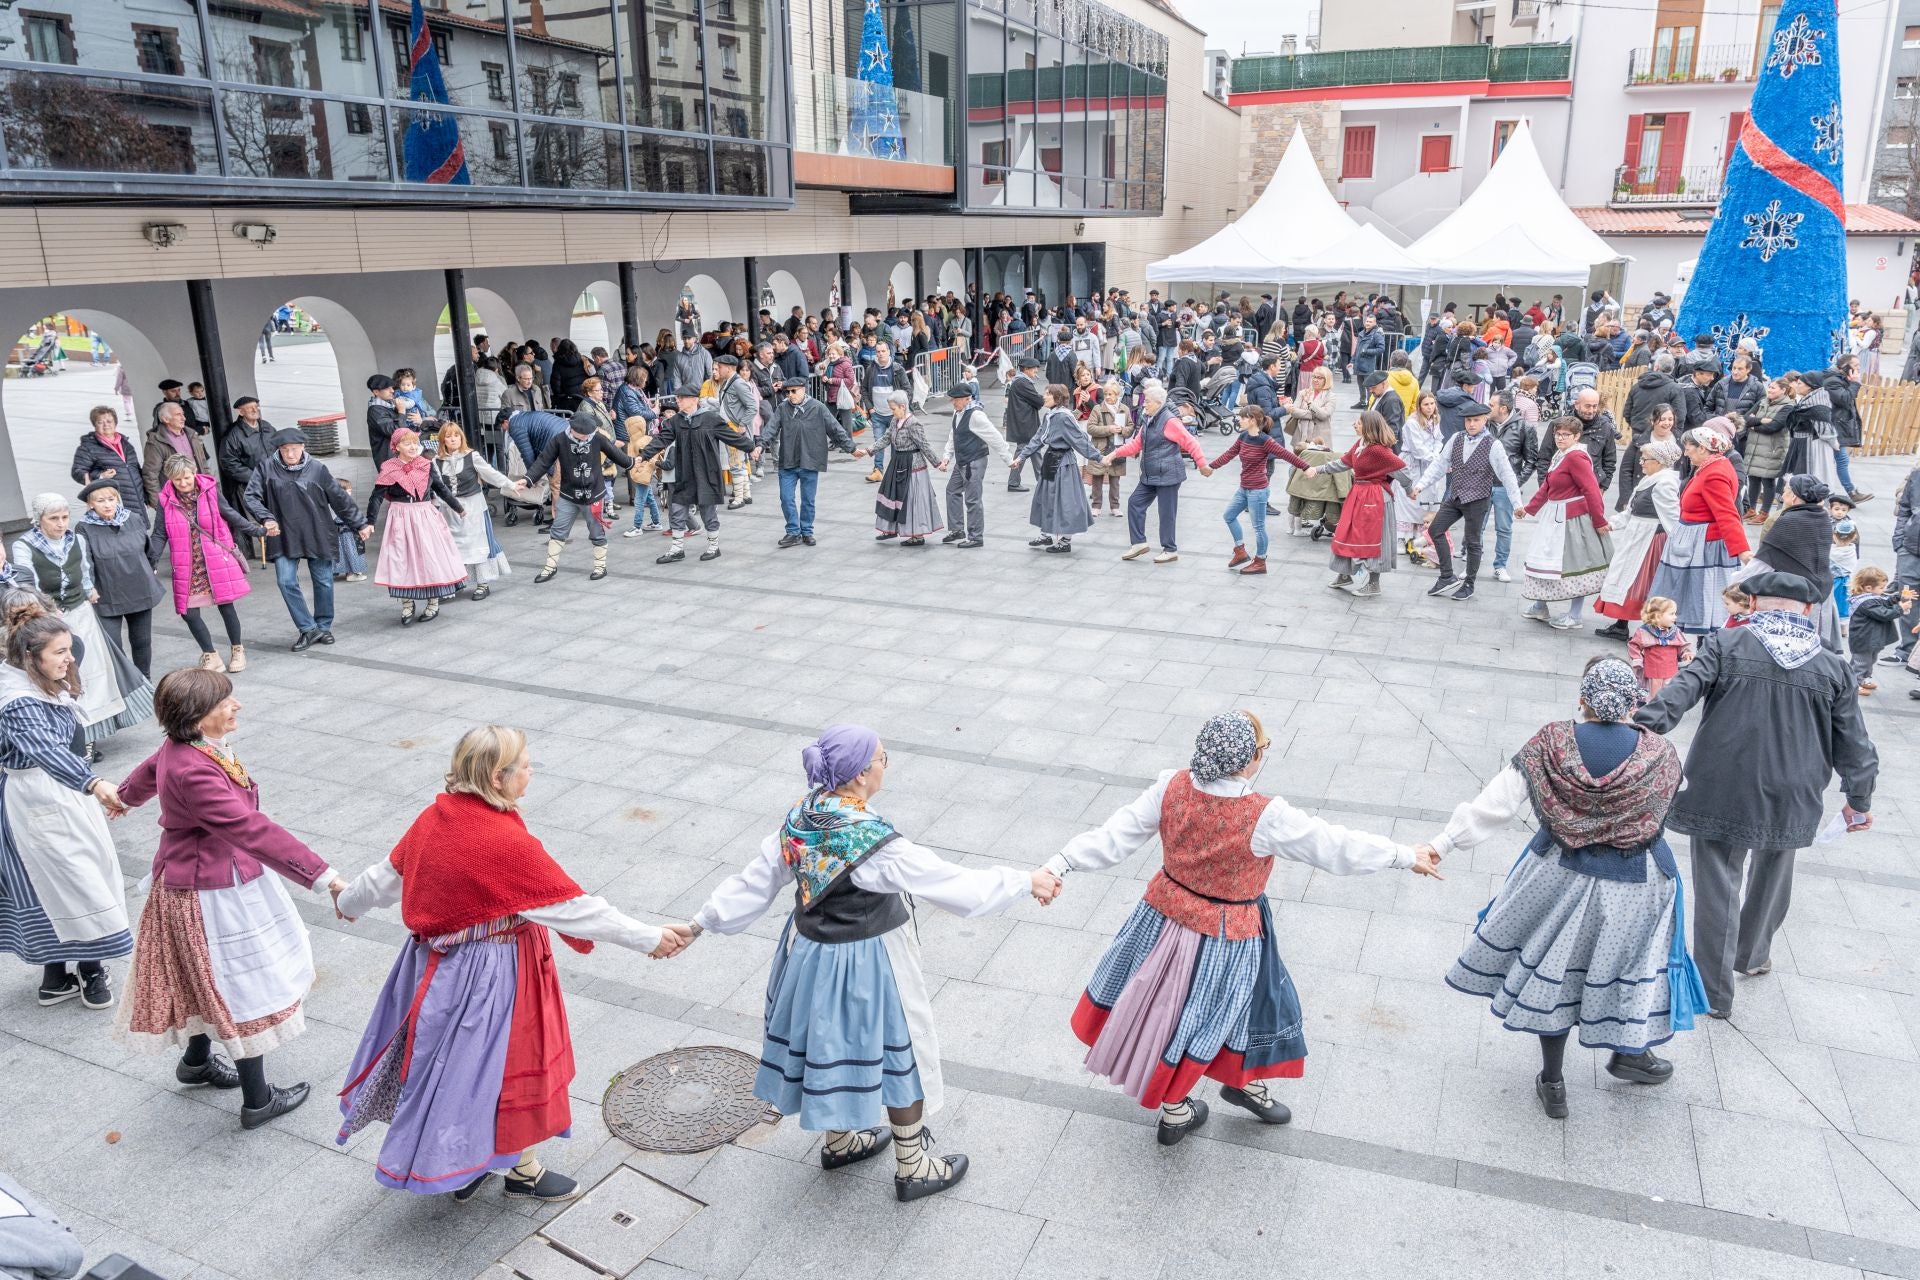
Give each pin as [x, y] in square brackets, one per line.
[1364, 541]
[691, 447]
[1159, 442]
[801, 433]
[222, 953]
[905, 505]
[467, 1056]
[1570, 551]
[418, 558]
[1108, 425]
[61, 896]
[1582, 934]
[1193, 984]
[466, 473]
[1653, 513]
[849, 1024]
[1060, 507]
[1466, 470]
[1704, 553]
[1255, 448]
[965, 452]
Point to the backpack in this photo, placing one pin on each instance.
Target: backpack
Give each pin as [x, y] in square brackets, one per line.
[1581, 376]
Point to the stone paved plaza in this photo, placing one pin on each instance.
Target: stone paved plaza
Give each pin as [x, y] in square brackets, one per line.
[1022, 698]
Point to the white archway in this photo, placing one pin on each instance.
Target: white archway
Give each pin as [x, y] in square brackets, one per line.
[900, 280]
[710, 300]
[858, 300]
[353, 357]
[952, 278]
[787, 294]
[605, 328]
[139, 360]
[498, 320]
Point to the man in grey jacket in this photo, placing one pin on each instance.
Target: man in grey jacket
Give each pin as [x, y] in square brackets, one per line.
[739, 404]
[802, 432]
[1781, 715]
[1906, 567]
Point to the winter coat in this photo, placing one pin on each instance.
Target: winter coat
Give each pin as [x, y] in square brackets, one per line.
[568, 383]
[1647, 394]
[304, 502]
[121, 573]
[93, 458]
[1846, 418]
[1906, 515]
[1800, 541]
[383, 419]
[1369, 351]
[1024, 401]
[216, 520]
[1453, 404]
[1389, 406]
[1874, 623]
[1517, 437]
[158, 449]
[514, 400]
[243, 449]
[1767, 438]
[1705, 402]
[1742, 398]
[1600, 437]
[800, 436]
[700, 442]
[1310, 418]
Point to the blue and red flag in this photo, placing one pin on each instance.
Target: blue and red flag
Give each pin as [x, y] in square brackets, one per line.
[431, 149]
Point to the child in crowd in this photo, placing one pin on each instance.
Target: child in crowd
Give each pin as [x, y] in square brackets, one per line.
[351, 564]
[1876, 621]
[1255, 448]
[1846, 559]
[1739, 605]
[1659, 646]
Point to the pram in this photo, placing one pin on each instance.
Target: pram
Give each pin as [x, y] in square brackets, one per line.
[537, 497]
[1211, 412]
[1313, 502]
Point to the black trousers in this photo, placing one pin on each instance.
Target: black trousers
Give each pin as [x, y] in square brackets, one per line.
[1474, 516]
[139, 641]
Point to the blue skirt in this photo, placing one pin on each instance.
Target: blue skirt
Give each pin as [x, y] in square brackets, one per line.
[837, 1050]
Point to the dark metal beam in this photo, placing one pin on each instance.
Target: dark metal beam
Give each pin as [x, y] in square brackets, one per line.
[213, 366]
[751, 266]
[462, 351]
[629, 307]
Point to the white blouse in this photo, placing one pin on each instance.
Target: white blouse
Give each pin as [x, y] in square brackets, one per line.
[1282, 832]
[1503, 800]
[586, 916]
[900, 866]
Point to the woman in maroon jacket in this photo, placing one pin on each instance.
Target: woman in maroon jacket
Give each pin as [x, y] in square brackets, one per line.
[221, 953]
[1568, 557]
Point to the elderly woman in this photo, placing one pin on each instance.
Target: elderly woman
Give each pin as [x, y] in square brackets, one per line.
[1193, 985]
[906, 504]
[1310, 416]
[112, 694]
[1765, 441]
[1060, 507]
[1653, 513]
[1588, 931]
[116, 538]
[1813, 442]
[1108, 426]
[418, 557]
[1703, 554]
[466, 473]
[1570, 551]
[849, 1026]
[107, 453]
[62, 899]
[222, 954]
[196, 525]
[467, 1057]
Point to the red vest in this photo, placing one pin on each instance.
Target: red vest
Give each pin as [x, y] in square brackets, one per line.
[1210, 881]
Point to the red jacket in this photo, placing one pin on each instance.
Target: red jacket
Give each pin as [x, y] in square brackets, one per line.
[1710, 499]
[1253, 452]
[1573, 479]
[212, 833]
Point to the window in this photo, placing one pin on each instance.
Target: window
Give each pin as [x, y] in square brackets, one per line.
[937, 75]
[1907, 87]
[1763, 42]
[1899, 136]
[496, 75]
[1502, 131]
[273, 63]
[1909, 39]
[158, 50]
[50, 38]
[723, 10]
[729, 56]
[1050, 160]
[569, 89]
[1676, 38]
[666, 44]
[537, 87]
[993, 156]
[673, 113]
[403, 50]
[1356, 152]
[359, 118]
[353, 37]
[502, 135]
[1890, 189]
[1656, 148]
[1436, 153]
[1736, 121]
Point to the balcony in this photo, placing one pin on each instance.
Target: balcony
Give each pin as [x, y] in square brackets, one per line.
[1666, 186]
[1431, 64]
[1710, 64]
[1526, 13]
[827, 109]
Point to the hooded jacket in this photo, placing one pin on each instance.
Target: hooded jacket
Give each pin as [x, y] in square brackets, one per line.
[1648, 393]
[1453, 402]
[1846, 418]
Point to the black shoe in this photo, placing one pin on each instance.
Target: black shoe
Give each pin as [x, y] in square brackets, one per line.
[711, 553]
[1016, 488]
[1042, 541]
[546, 575]
[1465, 592]
[282, 1101]
[68, 989]
[215, 1071]
[429, 613]
[808, 539]
[882, 1139]
[472, 1189]
[481, 593]
[325, 637]
[914, 542]
[1894, 660]
[905, 1189]
[598, 573]
[955, 536]
[885, 537]
[549, 1186]
[1640, 1068]
[96, 992]
[305, 641]
[1444, 584]
[1618, 631]
[1059, 548]
[672, 557]
[1268, 1112]
[791, 540]
[1168, 1135]
[970, 543]
[1553, 1097]
[1914, 694]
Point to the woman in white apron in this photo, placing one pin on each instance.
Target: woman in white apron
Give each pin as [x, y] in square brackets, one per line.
[62, 899]
[113, 694]
[1570, 551]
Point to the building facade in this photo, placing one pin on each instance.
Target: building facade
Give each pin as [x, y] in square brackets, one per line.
[1896, 163]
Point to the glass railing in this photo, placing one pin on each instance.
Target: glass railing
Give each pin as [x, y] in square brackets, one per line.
[1426, 64]
[840, 115]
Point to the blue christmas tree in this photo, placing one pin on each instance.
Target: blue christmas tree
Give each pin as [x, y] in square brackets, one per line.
[873, 123]
[431, 148]
[1774, 265]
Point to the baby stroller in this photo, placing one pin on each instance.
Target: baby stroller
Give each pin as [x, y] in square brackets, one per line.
[536, 497]
[1313, 502]
[1211, 410]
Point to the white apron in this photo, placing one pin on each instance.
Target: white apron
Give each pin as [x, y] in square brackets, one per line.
[100, 697]
[262, 960]
[1546, 553]
[63, 842]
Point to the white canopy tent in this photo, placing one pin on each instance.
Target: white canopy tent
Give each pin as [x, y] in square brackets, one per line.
[1513, 229]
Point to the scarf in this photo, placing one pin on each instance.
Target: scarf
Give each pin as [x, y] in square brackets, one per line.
[221, 754]
[1791, 638]
[120, 518]
[463, 863]
[413, 476]
[58, 552]
[825, 837]
[1622, 812]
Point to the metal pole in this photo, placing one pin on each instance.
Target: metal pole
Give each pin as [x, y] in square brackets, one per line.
[752, 268]
[629, 307]
[213, 366]
[846, 284]
[920, 289]
[1069, 275]
[1026, 272]
[462, 350]
[979, 290]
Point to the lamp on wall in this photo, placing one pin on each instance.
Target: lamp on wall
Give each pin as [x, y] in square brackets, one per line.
[1080, 227]
[164, 235]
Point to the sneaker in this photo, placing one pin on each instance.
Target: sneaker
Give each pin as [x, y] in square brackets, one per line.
[1372, 588]
[1537, 611]
[1894, 660]
[1860, 496]
[1465, 592]
[549, 1186]
[1445, 584]
[68, 989]
[1166, 557]
[971, 543]
[1564, 623]
[1553, 1097]
[631, 533]
[96, 990]
[1135, 551]
[1341, 581]
[1500, 574]
[355, 577]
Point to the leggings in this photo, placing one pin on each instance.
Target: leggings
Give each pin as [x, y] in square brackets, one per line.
[228, 614]
[1761, 493]
[139, 637]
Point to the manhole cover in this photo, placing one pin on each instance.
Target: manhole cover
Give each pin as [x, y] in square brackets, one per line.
[686, 1100]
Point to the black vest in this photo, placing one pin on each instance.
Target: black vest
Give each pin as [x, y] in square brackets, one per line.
[464, 480]
[848, 913]
[967, 447]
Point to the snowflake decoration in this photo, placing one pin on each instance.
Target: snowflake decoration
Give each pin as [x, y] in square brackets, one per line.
[1795, 47]
[1772, 231]
[1827, 135]
[1728, 337]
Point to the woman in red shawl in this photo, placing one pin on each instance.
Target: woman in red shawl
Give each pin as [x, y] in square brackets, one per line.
[467, 1056]
[1364, 541]
[418, 557]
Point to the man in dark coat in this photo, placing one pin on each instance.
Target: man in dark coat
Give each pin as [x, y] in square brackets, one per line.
[1263, 317]
[1842, 383]
[699, 439]
[1302, 317]
[801, 433]
[248, 443]
[1598, 433]
[1705, 397]
[298, 500]
[577, 459]
[1781, 716]
[1385, 401]
[1022, 421]
[1654, 388]
[108, 453]
[1455, 394]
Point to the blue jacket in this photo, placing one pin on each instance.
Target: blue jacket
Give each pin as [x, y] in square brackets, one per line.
[531, 431]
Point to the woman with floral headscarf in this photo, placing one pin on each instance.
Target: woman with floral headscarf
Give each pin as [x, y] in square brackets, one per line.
[1704, 553]
[1193, 984]
[1588, 930]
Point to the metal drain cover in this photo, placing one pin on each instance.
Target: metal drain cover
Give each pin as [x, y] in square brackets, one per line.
[686, 1100]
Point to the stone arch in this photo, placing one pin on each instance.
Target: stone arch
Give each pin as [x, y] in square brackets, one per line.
[952, 278]
[1050, 267]
[900, 280]
[586, 333]
[858, 292]
[353, 356]
[787, 294]
[710, 300]
[498, 319]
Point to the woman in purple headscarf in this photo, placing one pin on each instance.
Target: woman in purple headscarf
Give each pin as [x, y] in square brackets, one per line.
[849, 1026]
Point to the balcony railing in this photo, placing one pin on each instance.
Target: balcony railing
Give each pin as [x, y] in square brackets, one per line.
[1526, 13]
[1429, 64]
[1667, 185]
[1709, 64]
[827, 105]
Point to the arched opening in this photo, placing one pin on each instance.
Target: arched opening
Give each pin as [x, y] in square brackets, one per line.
[43, 415]
[953, 278]
[900, 284]
[710, 300]
[1052, 286]
[858, 299]
[787, 295]
[597, 318]
[497, 317]
[333, 351]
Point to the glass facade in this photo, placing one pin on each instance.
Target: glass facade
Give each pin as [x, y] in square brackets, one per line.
[833, 99]
[636, 102]
[1066, 108]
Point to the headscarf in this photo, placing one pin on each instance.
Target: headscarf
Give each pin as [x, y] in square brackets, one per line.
[1664, 452]
[412, 474]
[1226, 744]
[1811, 490]
[840, 754]
[1610, 690]
[1703, 437]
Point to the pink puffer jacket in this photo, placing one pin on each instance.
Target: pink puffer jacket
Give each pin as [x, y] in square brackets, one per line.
[226, 569]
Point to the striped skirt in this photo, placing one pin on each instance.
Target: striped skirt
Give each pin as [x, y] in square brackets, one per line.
[1693, 572]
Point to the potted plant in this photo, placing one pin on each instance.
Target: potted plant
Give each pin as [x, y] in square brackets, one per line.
[1730, 74]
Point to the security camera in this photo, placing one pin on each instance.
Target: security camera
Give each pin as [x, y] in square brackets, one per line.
[163, 235]
[257, 232]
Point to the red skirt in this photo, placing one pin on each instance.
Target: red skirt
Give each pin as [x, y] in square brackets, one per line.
[1363, 518]
[1628, 610]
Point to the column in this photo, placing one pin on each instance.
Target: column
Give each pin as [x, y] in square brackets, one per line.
[213, 369]
[1026, 272]
[920, 289]
[462, 352]
[1068, 276]
[751, 266]
[629, 307]
[846, 282]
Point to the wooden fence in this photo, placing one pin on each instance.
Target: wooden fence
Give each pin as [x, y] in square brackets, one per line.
[1889, 416]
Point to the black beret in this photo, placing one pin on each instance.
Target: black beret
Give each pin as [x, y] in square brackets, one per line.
[289, 435]
[170, 384]
[1783, 586]
[1474, 409]
[379, 382]
[96, 487]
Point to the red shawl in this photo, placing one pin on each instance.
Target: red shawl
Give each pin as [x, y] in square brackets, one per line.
[1373, 463]
[412, 474]
[464, 862]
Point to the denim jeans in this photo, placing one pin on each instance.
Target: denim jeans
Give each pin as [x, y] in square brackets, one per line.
[1502, 526]
[801, 484]
[1843, 467]
[286, 573]
[1254, 503]
[1230, 394]
[1165, 364]
[644, 504]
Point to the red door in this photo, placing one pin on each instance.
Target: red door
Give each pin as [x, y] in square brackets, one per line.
[1356, 151]
[1736, 121]
[1630, 175]
[1673, 152]
[1436, 153]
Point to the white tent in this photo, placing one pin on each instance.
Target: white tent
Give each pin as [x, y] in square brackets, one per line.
[1296, 232]
[1024, 187]
[1513, 229]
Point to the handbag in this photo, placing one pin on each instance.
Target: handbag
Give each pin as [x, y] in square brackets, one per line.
[1686, 994]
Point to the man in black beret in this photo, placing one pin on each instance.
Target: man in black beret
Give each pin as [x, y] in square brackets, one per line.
[799, 436]
[298, 501]
[248, 441]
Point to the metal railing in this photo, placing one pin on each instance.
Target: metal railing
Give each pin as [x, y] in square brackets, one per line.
[826, 107]
[939, 369]
[1663, 184]
[1507, 63]
[1526, 13]
[1708, 64]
